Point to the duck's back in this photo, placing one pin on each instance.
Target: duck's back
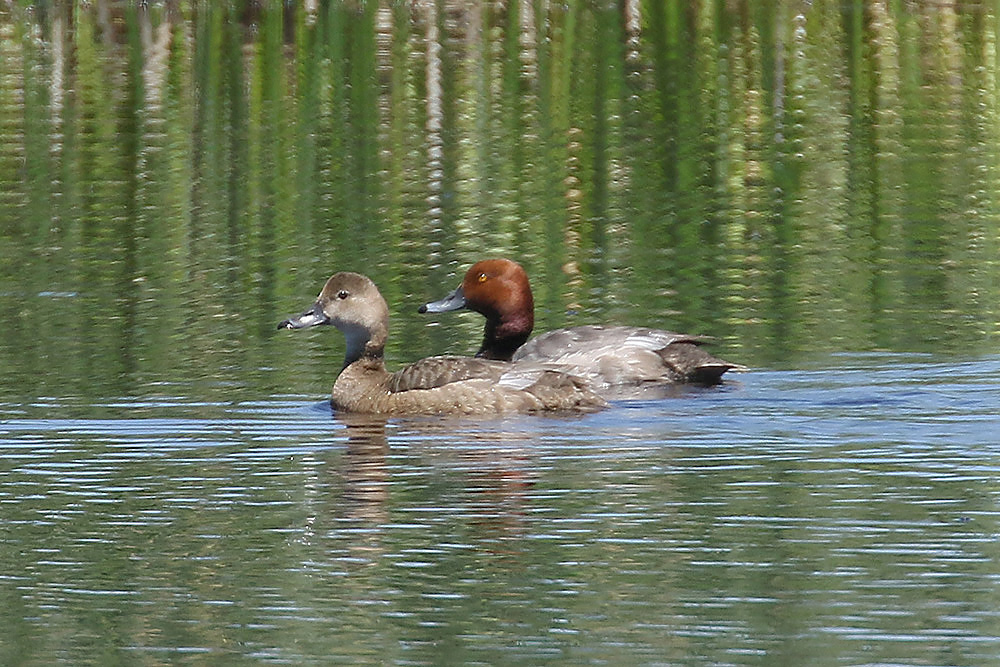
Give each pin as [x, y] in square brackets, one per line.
[439, 371]
[610, 356]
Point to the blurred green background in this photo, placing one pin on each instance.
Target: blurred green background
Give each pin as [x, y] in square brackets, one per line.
[792, 178]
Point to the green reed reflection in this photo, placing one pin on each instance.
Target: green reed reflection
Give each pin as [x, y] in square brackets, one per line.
[788, 177]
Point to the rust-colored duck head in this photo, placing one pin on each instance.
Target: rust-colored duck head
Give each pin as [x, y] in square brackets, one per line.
[499, 290]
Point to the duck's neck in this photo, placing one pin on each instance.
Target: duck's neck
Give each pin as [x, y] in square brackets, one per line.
[504, 334]
[363, 343]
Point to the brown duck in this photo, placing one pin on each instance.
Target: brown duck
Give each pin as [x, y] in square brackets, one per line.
[436, 385]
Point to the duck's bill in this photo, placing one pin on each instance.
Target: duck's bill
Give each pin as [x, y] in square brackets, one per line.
[454, 301]
[310, 318]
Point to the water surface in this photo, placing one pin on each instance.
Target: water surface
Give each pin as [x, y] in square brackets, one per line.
[839, 515]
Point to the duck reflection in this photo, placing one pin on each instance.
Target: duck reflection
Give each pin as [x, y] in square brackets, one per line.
[494, 472]
[364, 471]
[445, 472]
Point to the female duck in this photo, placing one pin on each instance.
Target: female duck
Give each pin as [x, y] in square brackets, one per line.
[610, 357]
[437, 385]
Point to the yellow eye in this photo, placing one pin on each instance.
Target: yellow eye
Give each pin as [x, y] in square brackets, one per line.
[482, 277]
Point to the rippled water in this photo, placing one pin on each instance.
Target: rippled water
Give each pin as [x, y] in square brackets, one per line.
[843, 515]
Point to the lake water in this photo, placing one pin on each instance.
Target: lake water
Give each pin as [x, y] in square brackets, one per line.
[812, 185]
[845, 514]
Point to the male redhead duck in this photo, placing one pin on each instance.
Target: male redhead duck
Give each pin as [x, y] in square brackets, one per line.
[436, 385]
[610, 357]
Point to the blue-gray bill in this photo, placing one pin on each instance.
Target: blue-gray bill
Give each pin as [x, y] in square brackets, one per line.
[454, 301]
[312, 317]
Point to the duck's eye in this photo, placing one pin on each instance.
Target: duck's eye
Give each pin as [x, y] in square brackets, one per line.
[342, 294]
[482, 277]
